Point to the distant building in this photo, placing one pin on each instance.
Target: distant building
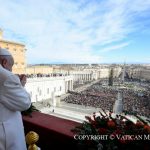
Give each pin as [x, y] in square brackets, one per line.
[44, 88]
[140, 72]
[18, 52]
[39, 69]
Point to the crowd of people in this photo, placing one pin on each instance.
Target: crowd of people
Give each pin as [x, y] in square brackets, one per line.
[77, 84]
[99, 96]
[38, 75]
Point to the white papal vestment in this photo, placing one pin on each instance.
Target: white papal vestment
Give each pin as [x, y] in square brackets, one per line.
[13, 99]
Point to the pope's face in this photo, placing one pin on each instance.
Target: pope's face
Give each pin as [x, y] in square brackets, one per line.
[9, 63]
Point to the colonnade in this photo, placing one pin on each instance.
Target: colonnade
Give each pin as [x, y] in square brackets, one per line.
[68, 86]
[84, 77]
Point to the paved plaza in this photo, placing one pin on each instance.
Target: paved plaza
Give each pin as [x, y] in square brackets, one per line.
[68, 111]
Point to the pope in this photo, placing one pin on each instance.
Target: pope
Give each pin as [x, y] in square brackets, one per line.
[13, 99]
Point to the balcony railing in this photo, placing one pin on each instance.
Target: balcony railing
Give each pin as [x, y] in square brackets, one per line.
[54, 133]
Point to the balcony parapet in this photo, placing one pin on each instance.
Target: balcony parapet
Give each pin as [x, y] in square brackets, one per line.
[54, 133]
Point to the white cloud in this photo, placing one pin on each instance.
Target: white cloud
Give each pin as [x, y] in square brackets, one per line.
[67, 31]
[115, 47]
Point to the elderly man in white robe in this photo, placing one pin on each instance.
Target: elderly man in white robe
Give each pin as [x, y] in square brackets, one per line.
[13, 99]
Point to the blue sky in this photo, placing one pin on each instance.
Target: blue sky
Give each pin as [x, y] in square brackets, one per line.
[79, 31]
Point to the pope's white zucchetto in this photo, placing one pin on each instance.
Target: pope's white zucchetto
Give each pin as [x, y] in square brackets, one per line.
[4, 52]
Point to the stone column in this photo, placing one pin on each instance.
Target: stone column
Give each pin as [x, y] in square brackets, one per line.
[67, 86]
[70, 85]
